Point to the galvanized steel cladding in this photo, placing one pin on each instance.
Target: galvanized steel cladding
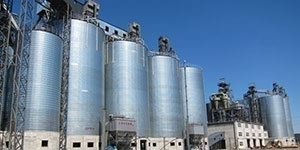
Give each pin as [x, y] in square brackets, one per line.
[166, 108]
[86, 76]
[288, 116]
[126, 82]
[136, 85]
[44, 81]
[193, 93]
[273, 115]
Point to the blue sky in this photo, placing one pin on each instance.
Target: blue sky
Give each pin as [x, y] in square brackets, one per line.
[243, 41]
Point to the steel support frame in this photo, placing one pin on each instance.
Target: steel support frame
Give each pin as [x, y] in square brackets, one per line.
[17, 119]
[121, 139]
[228, 115]
[5, 28]
[64, 84]
[254, 109]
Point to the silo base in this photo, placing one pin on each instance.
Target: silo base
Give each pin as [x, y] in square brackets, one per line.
[45, 140]
[88, 142]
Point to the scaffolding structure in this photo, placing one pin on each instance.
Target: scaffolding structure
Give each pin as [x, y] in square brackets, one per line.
[5, 31]
[5, 26]
[65, 74]
[16, 130]
[14, 42]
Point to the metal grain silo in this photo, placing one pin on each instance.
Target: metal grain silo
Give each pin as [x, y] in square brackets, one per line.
[126, 82]
[86, 80]
[192, 88]
[288, 116]
[44, 80]
[166, 110]
[273, 115]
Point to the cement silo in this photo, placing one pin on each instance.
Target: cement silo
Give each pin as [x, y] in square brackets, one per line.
[288, 116]
[85, 83]
[273, 115]
[126, 86]
[166, 110]
[43, 89]
[192, 89]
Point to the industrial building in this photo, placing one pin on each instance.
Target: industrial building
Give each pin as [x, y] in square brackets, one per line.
[83, 83]
[267, 109]
[69, 80]
[160, 144]
[236, 135]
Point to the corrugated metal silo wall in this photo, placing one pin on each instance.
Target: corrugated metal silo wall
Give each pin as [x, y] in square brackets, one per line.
[44, 81]
[126, 83]
[195, 95]
[288, 117]
[86, 79]
[166, 109]
[273, 115]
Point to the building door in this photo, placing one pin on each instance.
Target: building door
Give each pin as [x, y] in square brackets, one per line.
[143, 145]
[254, 143]
[248, 142]
[260, 142]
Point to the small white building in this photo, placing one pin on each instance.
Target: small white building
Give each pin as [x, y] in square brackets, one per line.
[236, 135]
[158, 144]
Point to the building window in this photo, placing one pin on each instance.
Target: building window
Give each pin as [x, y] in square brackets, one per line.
[99, 144]
[44, 143]
[241, 143]
[246, 125]
[149, 144]
[134, 145]
[76, 144]
[124, 35]
[252, 126]
[154, 144]
[116, 32]
[240, 134]
[90, 144]
[106, 28]
[258, 127]
[259, 134]
[179, 143]
[253, 134]
[247, 133]
[265, 134]
[239, 124]
[172, 144]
